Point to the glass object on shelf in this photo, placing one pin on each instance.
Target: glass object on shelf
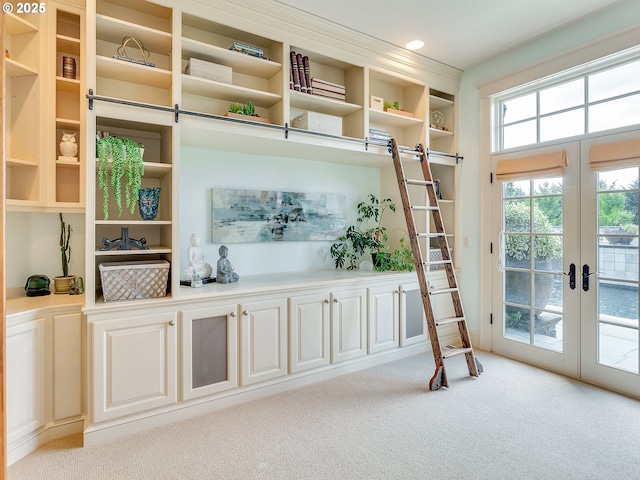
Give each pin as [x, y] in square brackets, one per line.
[148, 199]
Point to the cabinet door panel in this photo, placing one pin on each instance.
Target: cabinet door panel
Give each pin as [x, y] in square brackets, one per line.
[25, 379]
[413, 322]
[308, 332]
[263, 340]
[383, 319]
[210, 350]
[134, 365]
[67, 366]
[348, 319]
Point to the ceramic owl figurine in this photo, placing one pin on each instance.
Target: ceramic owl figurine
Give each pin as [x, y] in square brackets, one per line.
[68, 145]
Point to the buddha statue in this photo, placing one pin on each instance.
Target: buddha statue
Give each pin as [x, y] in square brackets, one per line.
[225, 273]
[197, 268]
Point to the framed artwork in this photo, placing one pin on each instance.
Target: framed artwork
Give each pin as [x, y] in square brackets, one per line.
[244, 216]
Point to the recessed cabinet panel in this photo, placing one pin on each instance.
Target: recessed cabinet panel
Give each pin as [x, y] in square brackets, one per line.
[308, 332]
[25, 379]
[134, 365]
[209, 350]
[383, 319]
[413, 323]
[263, 340]
[349, 325]
[67, 366]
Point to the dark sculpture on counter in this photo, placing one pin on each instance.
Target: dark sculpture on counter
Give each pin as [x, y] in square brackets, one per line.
[225, 273]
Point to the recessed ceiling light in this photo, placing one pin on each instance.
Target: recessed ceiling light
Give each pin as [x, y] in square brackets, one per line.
[414, 44]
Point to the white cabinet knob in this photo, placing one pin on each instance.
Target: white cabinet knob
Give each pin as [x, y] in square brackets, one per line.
[172, 323]
[245, 312]
[233, 314]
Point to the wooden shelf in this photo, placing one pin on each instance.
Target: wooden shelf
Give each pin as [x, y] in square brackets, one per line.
[70, 85]
[151, 170]
[435, 133]
[113, 30]
[133, 72]
[17, 69]
[16, 162]
[393, 120]
[320, 104]
[151, 250]
[226, 91]
[436, 102]
[125, 223]
[16, 25]
[68, 45]
[239, 62]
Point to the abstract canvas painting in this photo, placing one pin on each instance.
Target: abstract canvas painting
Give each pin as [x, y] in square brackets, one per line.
[241, 216]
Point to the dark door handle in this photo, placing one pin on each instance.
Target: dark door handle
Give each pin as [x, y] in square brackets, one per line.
[585, 277]
[572, 276]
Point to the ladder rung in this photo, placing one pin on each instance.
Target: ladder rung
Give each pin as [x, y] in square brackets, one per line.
[443, 290]
[424, 183]
[424, 207]
[436, 262]
[431, 235]
[447, 321]
[451, 351]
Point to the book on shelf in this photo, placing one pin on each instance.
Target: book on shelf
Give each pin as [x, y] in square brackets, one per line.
[303, 80]
[295, 71]
[307, 73]
[291, 78]
[335, 96]
[327, 85]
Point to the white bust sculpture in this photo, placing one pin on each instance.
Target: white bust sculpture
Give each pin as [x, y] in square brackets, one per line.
[197, 266]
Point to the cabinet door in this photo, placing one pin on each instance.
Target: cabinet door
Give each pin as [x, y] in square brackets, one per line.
[349, 325]
[263, 341]
[209, 350]
[25, 379]
[308, 332]
[134, 363]
[383, 318]
[413, 322]
[67, 366]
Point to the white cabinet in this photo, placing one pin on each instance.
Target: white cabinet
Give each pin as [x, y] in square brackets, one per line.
[383, 315]
[263, 340]
[67, 366]
[413, 323]
[209, 350]
[134, 365]
[25, 382]
[309, 331]
[348, 325]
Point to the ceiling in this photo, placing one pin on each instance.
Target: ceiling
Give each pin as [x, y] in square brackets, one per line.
[458, 33]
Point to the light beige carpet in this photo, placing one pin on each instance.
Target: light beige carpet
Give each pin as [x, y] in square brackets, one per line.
[514, 422]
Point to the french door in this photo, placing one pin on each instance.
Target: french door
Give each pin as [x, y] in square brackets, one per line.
[565, 283]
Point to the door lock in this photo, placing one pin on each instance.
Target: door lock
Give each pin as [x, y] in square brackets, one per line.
[572, 276]
[585, 277]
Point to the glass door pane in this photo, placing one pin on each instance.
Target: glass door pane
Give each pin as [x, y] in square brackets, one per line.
[533, 280]
[617, 275]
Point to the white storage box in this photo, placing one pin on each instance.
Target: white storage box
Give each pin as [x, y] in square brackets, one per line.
[318, 122]
[210, 71]
[134, 280]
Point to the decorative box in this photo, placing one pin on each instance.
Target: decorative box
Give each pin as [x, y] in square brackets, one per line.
[318, 122]
[210, 71]
[376, 103]
[134, 280]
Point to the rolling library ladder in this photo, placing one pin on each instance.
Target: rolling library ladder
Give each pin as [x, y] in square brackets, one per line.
[431, 205]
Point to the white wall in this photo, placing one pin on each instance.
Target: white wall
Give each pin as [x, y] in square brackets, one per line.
[202, 170]
[33, 246]
[602, 34]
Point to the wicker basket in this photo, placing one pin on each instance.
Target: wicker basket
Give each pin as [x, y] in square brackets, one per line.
[134, 280]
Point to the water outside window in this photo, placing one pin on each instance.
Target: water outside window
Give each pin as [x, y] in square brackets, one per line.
[618, 266]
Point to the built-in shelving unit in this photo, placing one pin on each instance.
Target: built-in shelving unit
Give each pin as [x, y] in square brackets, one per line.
[23, 112]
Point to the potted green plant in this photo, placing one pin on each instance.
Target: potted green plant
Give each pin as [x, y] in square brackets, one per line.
[118, 158]
[395, 108]
[62, 283]
[518, 251]
[369, 235]
[237, 110]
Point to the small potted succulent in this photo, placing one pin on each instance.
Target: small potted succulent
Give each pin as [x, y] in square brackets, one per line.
[237, 110]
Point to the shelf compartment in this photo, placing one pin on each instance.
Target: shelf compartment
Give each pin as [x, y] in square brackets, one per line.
[133, 73]
[16, 25]
[436, 102]
[229, 92]
[68, 45]
[237, 61]
[315, 103]
[435, 133]
[393, 120]
[113, 30]
[17, 69]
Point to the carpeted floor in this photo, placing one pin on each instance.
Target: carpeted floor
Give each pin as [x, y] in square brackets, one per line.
[514, 422]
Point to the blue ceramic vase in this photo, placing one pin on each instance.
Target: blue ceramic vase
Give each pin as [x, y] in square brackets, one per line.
[148, 202]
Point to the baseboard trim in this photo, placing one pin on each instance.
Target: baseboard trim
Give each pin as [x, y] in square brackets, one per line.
[35, 440]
